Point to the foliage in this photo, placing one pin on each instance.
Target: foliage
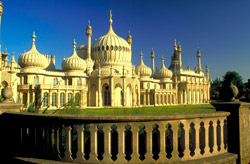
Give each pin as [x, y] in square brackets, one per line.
[236, 79]
[247, 90]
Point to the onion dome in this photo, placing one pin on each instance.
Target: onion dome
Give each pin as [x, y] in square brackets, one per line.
[111, 49]
[144, 70]
[32, 59]
[163, 72]
[74, 62]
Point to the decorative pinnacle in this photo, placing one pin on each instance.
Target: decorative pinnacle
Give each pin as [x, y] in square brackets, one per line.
[74, 43]
[89, 22]
[174, 42]
[33, 37]
[13, 56]
[110, 18]
[162, 60]
[152, 53]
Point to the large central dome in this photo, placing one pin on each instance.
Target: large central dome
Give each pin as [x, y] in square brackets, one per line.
[111, 49]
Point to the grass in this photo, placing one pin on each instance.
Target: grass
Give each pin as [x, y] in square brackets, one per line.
[204, 108]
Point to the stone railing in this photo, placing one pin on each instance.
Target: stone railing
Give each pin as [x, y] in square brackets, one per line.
[117, 139]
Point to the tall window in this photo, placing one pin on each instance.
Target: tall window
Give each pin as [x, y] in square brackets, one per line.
[45, 99]
[25, 80]
[69, 98]
[79, 82]
[25, 99]
[141, 99]
[54, 99]
[77, 99]
[36, 80]
[61, 99]
[107, 96]
[69, 81]
[55, 81]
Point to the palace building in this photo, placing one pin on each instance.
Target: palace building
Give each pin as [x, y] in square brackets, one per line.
[102, 75]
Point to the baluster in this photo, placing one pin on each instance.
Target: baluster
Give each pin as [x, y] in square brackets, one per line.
[175, 153]
[80, 142]
[135, 134]
[107, 143]
[206, 149]
[162, 154]
[68, 153]
[57, 142]
[197, 139]
[186, 151]
[223, 150]
[121, 143]
[149, 152]
[215, 147]
[93, 143]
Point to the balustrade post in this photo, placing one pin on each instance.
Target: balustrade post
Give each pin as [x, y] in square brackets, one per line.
[206, 149]
[175, 153]
[93, 143]
[149, 152]
[57, 142]
[135, 133]
[107, 143]
[197, 139]
[80, 143]
[186, 129]
[215, 147]
[121, 143]
[162, 130]
[68, 153]
[223, 150]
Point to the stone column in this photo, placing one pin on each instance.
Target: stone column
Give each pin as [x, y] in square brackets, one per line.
[99, 92]
[112, 90]
[58, 98]
[238, 124]
[124, 92]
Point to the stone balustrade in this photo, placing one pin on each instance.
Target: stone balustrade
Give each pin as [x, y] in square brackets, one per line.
[118, 139]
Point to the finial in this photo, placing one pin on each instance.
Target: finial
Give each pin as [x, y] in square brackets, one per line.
[162, 60]
[6, 50]
[110, 18]
[152, 50]
[33, 37]
[74, 43]
[141, 55]
[128, 32]
[89, 22]
[64, 58]
[13, 54]
[174, 42]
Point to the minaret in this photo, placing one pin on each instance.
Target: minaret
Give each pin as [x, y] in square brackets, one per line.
[89, 34]
[199, 69]
[153, 61]
[1, 13]
[207, 72]
[129, 38]
[179, 54]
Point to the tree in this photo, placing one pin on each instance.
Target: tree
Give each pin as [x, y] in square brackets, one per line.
[236, 79]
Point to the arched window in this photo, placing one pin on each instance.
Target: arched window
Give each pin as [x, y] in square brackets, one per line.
[77, 99]
[45, 99]
[62, 101]
[54, 99]
[107, 48]
[55, 81]
[106, 96]
[69, 98]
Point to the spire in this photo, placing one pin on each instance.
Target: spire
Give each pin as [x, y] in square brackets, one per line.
[33, 38]
[110, 18]
[74, 44]
[152, 53]
[13, 57]
[162, 60]
[111, 31]
[179, 46]
[129, 38]
[141, 58]
[74, 49]
[175, 46]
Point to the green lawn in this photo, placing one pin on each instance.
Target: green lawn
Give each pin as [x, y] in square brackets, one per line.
[138, 111]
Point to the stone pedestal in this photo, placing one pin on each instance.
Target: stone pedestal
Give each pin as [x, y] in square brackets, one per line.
[238, 124]
[10, 106]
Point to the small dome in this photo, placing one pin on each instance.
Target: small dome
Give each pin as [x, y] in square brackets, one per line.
[144, 70]
[163, 72]
[32, 58]
[13, 62]
[74, 62]
[111, 49]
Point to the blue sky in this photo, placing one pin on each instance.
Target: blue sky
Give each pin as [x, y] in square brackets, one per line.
[220, 28]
